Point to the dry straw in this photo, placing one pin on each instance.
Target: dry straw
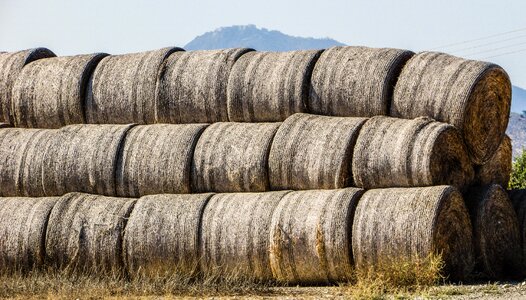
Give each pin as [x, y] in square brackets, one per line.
[122, 88]
[313, 152]
[11, 64]
[400, 224]
[498, 168]
[393, 152]
[233, 157]
[496, 231]
[50, 93]
[518, 199]
[156, 159]
[311, 236]
[4, 125]
[85, 233]
[235, 238]
[355, 81]
[474, 96]
[162, 235]
[270, 86]
[192, 86]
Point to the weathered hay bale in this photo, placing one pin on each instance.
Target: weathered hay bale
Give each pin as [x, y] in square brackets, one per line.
[23, 223]
[11, 64]
[50, 93]
[85, 233]
[235, 239]
[474, 96]
[355, 81]
[4, 125]
[311, 236]
[496, 231]
[270, 86]
[122, 88]
[413, 224]
[192, 86]
[393, 152]
[233, 157]
[518, 199]
[498, 168]
[156, 159]
[162, 235]
[313, 152]
[83, 158]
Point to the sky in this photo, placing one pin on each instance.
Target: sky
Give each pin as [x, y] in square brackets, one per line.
[482, 29]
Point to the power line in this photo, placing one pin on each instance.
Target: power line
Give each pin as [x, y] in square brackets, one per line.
[487, 44]
[506, 53]
[478, 39]
[494, 49]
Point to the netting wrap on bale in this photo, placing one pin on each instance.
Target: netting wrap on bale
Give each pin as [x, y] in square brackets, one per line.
[474, 96]
[192, 86]
[498, 168]
[355, 81]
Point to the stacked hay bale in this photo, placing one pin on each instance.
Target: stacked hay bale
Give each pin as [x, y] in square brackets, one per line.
[498, 168]
[518, 199]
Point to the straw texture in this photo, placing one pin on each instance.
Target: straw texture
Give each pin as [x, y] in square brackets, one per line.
[518, 199]
[498, 168]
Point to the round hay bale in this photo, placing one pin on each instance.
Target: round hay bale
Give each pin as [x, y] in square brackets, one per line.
[85, 233]
[83, 158]
[11, 64]
[233, 157]
[192, 86]
[400, 224]
[518, 199]
[50, 93]
[23, 223]
[498, 168]
[311, 234]
[496, 231]
[235, 238]
[270, 86]
[162, 235]
[393, 152]
[4, 125]
[355, 81]
[313, 152]
[474, 96]
[122, 88]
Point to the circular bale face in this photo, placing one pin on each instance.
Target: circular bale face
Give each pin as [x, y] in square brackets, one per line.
[498, 169]
[518, 199]
[11, 64]
[393, 152]
[50, 93]
[412, 224]
[233, 157]
[311, 234]
[192, 86]
[85, 233]
[122, 88]
[270, 86]
[313, 152]
[355, 81]
[23, 223]
[472, 95]
[235, 238]
[162, 235]
[156, 159]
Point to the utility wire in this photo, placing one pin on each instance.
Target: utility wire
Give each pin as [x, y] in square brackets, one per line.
[506, 53]
[477, 39]
[494, 49]
[488, 44]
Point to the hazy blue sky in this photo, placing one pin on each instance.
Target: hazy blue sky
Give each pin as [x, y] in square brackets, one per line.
[74, 27]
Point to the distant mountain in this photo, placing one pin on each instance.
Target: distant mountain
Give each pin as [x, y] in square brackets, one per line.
[262, 39]
[518, 102]
[517, 132]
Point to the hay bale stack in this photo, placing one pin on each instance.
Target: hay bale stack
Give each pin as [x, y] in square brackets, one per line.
[121, 90]
[156, 159]
[50, 93]
[4, 125]
[233, 157]
[393, 152]
[496, 232]
[313, 152]
[162, 235]
[192, 86]
[518, 199]
[355, 81]
[498, 168]
[85, 233]
[311, 236]
[474, 96]
[83, 158]
[270, 86]
[235, 239]
[23, 223]
[401, 224]
[11, 64]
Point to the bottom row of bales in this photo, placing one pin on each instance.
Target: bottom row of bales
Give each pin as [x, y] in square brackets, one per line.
[316, 236]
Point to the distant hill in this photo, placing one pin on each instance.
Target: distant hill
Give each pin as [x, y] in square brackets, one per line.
[518, 102]
[517, 132]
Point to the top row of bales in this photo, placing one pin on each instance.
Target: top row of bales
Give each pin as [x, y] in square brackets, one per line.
[173, 86]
